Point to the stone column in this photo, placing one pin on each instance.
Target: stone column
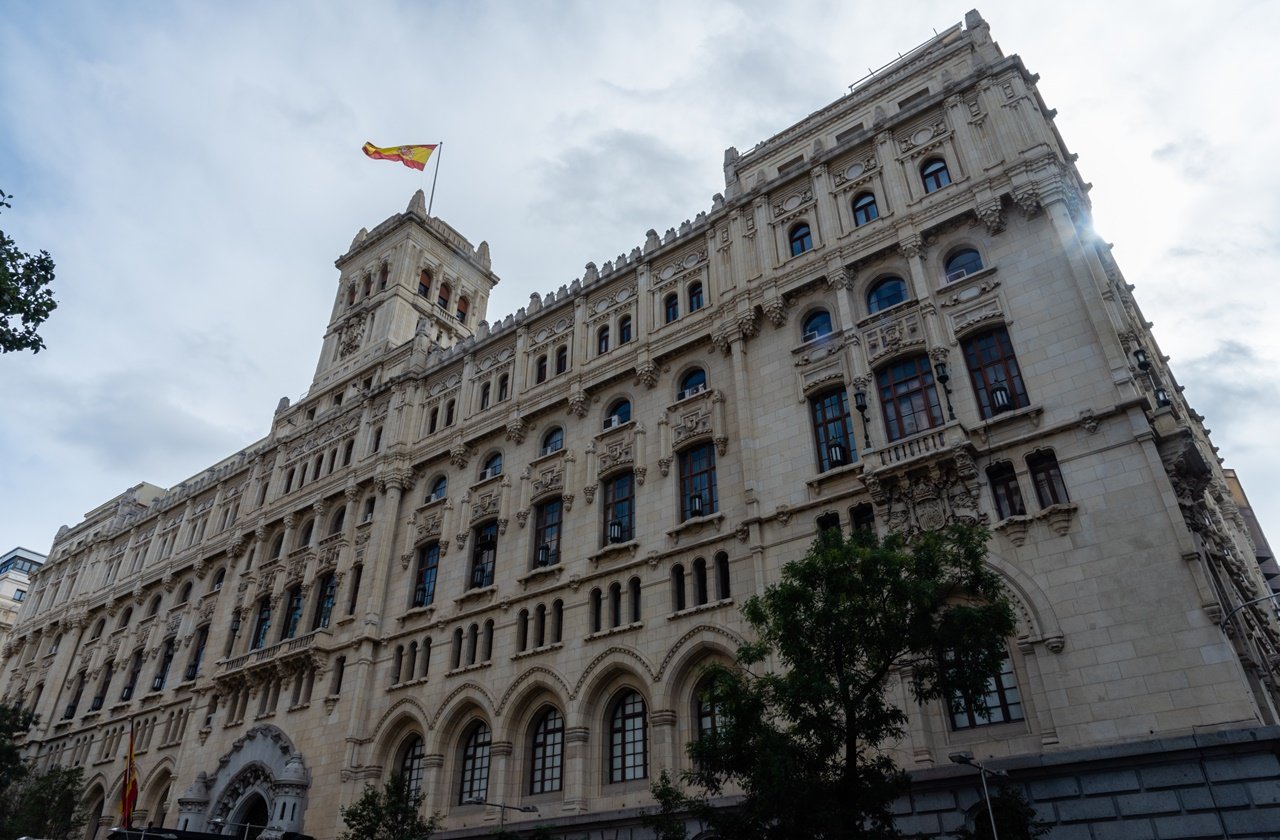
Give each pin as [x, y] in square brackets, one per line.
[575, 768]
[381, 543]
[662, 737]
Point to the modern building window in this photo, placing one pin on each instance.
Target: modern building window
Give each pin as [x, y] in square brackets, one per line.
[562, 359]
[474, 782]
[962, 263]
[540, 369]
[934, 175]
[546, 533]
[832, 429]
[547, 759]
[439, 488]
[698, 482]
[864, 209]
[993, 367]
[484, 555]
[695, 296]
[693, 382]
[492, 466]
[552, 441]
[624, 329]
[801, 239]
[1004, 490]
[619, 413]
[1003, 702]
[670, 308]
[889, 292]
[817, 325]
[412, 762]
[908, 398]
[424, 579]
[619, 504]
[1047, 478]
[262, 624]
[293, 613]
[628, 739]
[328, 597]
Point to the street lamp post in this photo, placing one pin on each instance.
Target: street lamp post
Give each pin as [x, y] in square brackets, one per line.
[502, 814]
[967, 758]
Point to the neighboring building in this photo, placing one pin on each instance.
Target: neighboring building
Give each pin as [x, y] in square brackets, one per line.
[16, 566]
[495, 556]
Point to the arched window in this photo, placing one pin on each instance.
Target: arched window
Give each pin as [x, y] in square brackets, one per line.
[693, 382]
[864, 209]
[962, 263]
[670, 308]
[439, 488]
[304, 535]
[934, 174]
[412, 754]
[619, 413]
[277, 546]
[699, 581]
[633, 599]
[547, 756]
[184, 594]
[218, 580]
[474, 781]
[602, 340]
[443, 300]
[552, 441]
[889, 292]
[125, 617]
[492, 466]
[337, 520]
[706, 710]
[448, 413]
[624, 329]
[462, 309]
[383, 273]
[677, 588]
[541, 369]
[504, 387]
[615, 604]
[435, 420]
[484, 396]
[628, 737]
[97, 628]
[817, 325]
[695, 296]
[424, 283]
[908, 398]
[154, 607]
[801, 239]
[1004, 704]
[722, 576]
[562, 359]
[596, 608]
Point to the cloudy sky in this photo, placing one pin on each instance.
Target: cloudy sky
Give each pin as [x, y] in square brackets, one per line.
[195, 168]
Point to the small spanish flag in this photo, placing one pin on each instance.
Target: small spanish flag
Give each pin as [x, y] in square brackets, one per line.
[414, 157]
[129, 787]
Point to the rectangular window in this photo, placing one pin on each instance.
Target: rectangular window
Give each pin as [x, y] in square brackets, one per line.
[484, 556]
[908, 398]
[619, 501]
[424, 588]
[1004, 490]
[1004, 705]
[832, 429]
[546, 533]
[1047, 478]
[324, 607]
[698, 482]
[993, 367]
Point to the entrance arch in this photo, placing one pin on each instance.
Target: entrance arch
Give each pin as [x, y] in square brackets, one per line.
[259, 788]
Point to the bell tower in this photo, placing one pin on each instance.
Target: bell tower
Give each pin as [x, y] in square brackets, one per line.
[412, 273]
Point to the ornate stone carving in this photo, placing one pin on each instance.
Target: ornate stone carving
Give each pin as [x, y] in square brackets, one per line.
[991, 214]
[1028, 200]
[517, 429]
[775, 309]
[459, 455]
[912, 246]
[579, 404]
[646, 373]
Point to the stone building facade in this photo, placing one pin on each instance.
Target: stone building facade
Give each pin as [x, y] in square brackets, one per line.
[495, 554]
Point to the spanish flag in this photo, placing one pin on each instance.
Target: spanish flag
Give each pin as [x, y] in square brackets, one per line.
[129, 790]
[414, 157]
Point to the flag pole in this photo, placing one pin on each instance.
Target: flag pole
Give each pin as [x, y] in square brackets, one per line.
[434, 175]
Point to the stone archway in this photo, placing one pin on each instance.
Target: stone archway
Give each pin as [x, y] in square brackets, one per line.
[258, 789]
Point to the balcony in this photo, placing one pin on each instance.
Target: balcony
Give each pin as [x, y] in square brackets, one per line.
[927, 444]
[281, 651]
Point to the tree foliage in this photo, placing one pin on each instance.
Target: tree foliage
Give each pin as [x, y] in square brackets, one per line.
[807, 712]
[25, 299]
[46, 804]
[1015, 819]
[392, 812]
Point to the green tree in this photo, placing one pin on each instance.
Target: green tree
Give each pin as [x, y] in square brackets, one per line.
[25, 299]
[388, 813]
[14, 721]
[807, 711]
[47, 804]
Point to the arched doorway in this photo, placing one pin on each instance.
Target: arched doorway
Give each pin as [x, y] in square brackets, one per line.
[96, 803]
[250, 819]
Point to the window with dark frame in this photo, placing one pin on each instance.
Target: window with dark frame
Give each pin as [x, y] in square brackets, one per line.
[474, 782]
[293, 616]
[1004, 704]
[934, 175]
[908, 398]
[962, 263]
[993, 367]
[671, 308]
[546, 532]
[624, 329]
[484, 555]
[698, 495]
[886, 294]
[864, 209]
[817, 325]
[695, 296]
[619, 504]
[628, 739]
[602, 340]
[424, 579]
[1047, 479]
[547, 759]
[562, 359]
[328, 597]
[412, 761]
[1005, 493]
[801, 239]
[832, 429]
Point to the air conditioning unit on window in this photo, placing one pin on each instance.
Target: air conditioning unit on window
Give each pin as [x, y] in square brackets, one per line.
[958, 274]
[689, 392]
[812, 336]
[368, 517]
[490, 473]
[613, 421]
